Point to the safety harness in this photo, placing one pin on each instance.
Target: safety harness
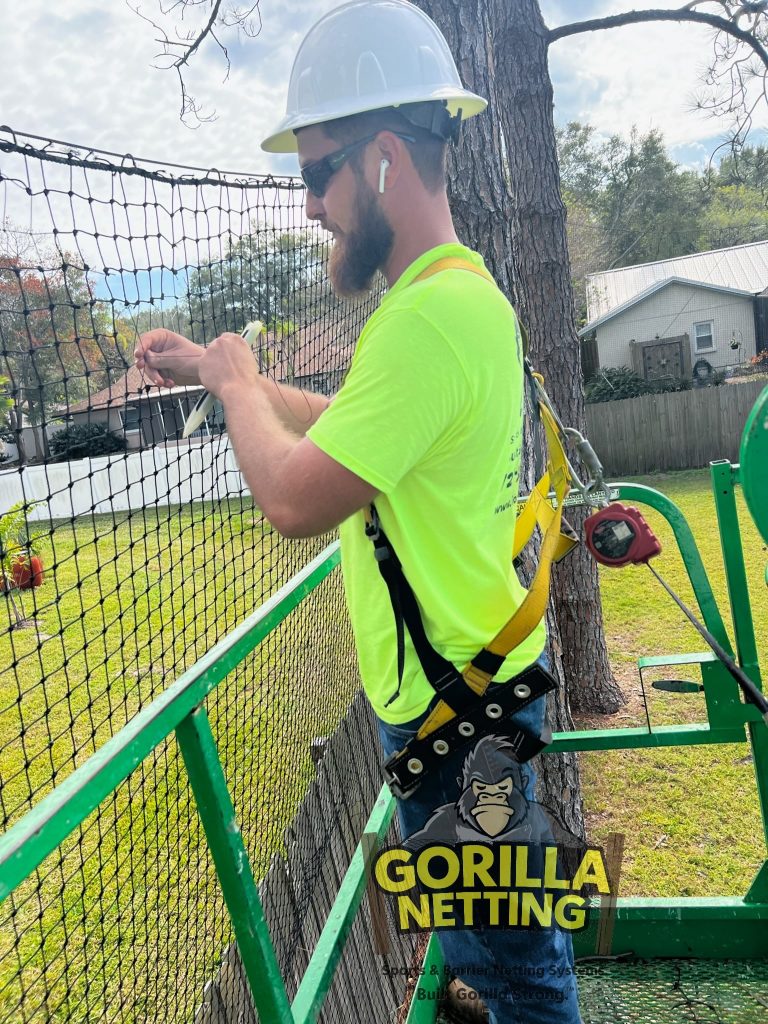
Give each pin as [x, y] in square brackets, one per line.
[466, 710]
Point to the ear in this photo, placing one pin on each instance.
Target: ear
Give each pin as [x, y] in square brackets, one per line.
[391, 150]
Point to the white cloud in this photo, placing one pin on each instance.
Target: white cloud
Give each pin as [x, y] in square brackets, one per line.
[82, 72]
[84, 75]
[645, 74]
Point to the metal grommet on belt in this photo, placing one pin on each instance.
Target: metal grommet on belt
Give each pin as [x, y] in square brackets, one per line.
[415, 767]
[440, 747]
[494, 711]
[522, 691]
[466, 729]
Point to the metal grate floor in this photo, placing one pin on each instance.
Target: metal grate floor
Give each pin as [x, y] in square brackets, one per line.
[665, 992]
[674, 992]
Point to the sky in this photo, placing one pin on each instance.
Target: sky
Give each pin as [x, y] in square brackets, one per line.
[81, 71]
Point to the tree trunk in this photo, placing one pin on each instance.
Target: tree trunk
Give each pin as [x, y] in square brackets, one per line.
[16, 424]
[545, 302]
[477, 185]
[480, 201]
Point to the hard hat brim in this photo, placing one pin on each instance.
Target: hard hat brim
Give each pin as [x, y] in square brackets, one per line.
[283, 138]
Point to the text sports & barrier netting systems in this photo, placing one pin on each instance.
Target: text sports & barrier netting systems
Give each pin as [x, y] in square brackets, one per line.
[128, 552]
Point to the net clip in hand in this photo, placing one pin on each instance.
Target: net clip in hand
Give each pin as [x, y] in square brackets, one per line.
[204, 404]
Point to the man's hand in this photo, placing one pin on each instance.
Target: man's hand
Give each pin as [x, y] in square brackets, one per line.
[226, 361]
[168, 359]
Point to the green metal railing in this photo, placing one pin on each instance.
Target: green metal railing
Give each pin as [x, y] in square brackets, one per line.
[649, 927]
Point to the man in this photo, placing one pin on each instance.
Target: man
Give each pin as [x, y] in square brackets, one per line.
[428, 424]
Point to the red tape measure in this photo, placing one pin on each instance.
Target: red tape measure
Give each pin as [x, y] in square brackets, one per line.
[618, 535]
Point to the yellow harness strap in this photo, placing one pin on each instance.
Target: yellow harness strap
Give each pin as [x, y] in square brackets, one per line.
[557, 538]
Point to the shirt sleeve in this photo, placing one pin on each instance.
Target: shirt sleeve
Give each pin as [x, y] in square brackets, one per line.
[405, 392]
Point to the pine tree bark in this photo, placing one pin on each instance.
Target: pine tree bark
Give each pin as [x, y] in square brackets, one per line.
[544, 297]
[480, 201]
[477, 185]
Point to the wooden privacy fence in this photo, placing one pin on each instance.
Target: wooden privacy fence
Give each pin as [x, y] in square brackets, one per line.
[677, 430]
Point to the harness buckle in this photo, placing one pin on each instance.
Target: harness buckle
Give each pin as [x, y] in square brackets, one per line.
[372, 530]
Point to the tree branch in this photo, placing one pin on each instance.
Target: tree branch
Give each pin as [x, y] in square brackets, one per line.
[208, 29]
[681, 14]
[222, 13]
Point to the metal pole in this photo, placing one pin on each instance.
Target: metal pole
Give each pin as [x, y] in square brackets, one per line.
[214, 805]
[724, 476]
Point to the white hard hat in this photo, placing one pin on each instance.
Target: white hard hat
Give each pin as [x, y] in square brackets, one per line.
[367, 55]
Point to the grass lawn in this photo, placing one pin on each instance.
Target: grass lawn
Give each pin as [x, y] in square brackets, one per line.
[690, 815]
[126, 919]
[127, 914]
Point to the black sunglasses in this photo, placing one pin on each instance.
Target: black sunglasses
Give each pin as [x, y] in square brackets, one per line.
[317, 174]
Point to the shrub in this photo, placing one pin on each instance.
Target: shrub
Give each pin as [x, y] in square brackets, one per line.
[84, 440]
[761, 359]
[14, 531]
[614, 383]
[664, 384]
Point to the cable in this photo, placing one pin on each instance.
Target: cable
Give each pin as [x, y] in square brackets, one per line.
[751, 693]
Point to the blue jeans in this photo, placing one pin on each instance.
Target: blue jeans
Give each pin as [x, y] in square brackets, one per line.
[524, 976]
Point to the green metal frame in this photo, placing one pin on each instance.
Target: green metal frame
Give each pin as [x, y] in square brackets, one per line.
[649, 927]
[753, 456]
[715, 927]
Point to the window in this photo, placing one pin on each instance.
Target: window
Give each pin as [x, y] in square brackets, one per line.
[215, 419]
[131, 417]
[213, 423]
[159, 415]
[703, 339]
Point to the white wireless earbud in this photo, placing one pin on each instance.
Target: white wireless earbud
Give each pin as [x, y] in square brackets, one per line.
[382, 172]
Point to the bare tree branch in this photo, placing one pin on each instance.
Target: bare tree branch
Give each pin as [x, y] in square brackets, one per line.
[749, 38]
[224, 14]
[190, 50]
[739, 60]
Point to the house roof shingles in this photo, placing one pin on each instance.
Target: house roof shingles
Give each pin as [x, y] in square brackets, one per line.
[130, 387]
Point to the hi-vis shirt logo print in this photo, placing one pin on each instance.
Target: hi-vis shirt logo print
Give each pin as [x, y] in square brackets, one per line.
[508, 491]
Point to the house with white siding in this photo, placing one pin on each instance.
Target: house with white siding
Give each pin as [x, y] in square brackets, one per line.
[684, 317]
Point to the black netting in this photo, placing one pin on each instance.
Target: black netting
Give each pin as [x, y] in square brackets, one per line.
[127, 552]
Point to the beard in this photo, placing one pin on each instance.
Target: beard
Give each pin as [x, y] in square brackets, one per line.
[363, 249]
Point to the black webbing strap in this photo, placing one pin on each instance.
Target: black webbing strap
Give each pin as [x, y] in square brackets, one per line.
[441, 674]
[406, 769]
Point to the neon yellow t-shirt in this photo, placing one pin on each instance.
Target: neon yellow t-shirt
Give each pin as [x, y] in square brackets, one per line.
[431, 413]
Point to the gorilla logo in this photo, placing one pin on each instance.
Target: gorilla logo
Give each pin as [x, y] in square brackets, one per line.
[492, 806]
[492, 785]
